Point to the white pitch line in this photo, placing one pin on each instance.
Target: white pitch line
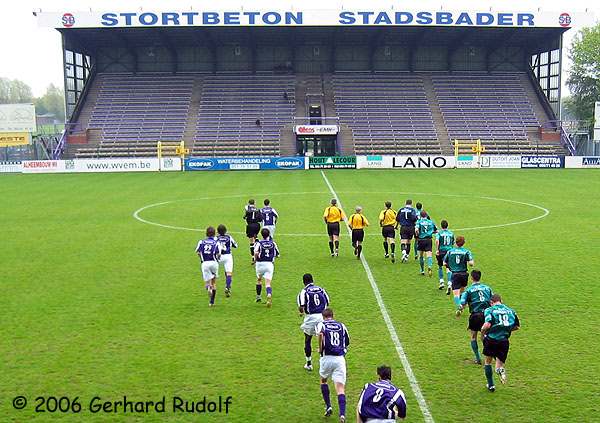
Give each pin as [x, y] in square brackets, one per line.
[414, 384]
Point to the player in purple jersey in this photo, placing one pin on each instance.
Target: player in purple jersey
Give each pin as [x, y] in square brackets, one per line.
[333, 344]
[209, 251]
[253, 218]
[269, 217]
[312, 300]
[381, 402]
[265, 252]
[227, 243]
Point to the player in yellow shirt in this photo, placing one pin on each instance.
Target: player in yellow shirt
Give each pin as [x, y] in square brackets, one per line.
[387, 221]
[332, 217]
[357, 222]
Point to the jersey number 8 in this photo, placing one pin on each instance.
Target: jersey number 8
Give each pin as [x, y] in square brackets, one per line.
[378, 395]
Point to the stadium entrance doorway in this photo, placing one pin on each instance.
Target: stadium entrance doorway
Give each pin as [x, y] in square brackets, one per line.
[316, 145]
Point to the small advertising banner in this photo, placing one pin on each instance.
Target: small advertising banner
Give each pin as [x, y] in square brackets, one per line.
[423, 162]
[585, 162]
[316, 129]
[500, 162]
[11, 167]
[542, 162]
[245, 163]
[333, 162]
[10, 139]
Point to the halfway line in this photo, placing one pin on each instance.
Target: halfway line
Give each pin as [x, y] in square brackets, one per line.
[388, 321]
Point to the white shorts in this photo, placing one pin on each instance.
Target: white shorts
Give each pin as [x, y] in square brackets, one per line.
[309, 326]
[264, 269]
[271, 229]
[334, 367]
[210, 269]
[381, 420]
[227, 261]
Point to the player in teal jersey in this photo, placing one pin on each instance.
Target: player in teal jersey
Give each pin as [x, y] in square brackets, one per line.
[418, 209]
[424, 230]
[456, 260]
[500, 322]
[444, 241]
[478, 297]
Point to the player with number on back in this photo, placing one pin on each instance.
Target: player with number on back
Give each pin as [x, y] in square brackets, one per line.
[209, 251]
[227, 243]
[269, 217]
[253, 218]
[387, 221]
[265, 252]
[407, 218]
[478, 297]
[332, 217]
[456, 260]
[424, 230]
[312, 300]
[500, 322]
[381, 402]
[333, 344]
[418, 209]
[444, 241]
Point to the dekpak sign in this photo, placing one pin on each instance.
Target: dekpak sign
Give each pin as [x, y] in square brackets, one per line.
[245, 163]
[333, 162]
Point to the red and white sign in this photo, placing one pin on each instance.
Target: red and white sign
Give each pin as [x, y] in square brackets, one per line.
[316, 129]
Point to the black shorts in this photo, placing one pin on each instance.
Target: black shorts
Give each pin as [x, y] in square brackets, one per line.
[424, 244]
[388, 231]
[358, 235]
[252, 230]
[407, 232]
[476, 321]
[497, 349]
[333, 229]
[440, 258]
[459, 280]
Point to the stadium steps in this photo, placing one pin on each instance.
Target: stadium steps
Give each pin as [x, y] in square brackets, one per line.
[346, 141]
[287, 141]
[84, 118]
[436, 114]
[192, 118]
[328, 96]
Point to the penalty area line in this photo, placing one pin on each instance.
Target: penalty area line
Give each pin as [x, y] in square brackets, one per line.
[414, 384]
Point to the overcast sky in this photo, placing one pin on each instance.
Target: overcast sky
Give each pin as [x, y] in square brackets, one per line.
[33, 54]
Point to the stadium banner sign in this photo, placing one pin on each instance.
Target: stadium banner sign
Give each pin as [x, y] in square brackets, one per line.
[326, 16]
[332, 162]
[11, 139]
[597, 121]
[423, 162]
[245, 163]
[542, 162]
[466, 162]
[150, 164]
[585, 162]
[17, 118]
[44, 166]
[500, 162]
[316, 129]
[11, 167]
[374, 162]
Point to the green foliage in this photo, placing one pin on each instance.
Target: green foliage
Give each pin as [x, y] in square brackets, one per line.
[14, 91]
[53, 101]
[584, 78]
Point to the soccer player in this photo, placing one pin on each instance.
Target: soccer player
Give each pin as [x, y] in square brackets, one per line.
[312, 300]
[424, 230]
[387, 221]
[269, 217]
[332, 217]
[333, 345]
[381, 401]
[226, 242]
[357, 222]
[444, 241]
[456, 260]
[418, 209]
[407, 218]
[253, 218]
[209, 251]
[500, 322]
[265, 252]
[478, 297]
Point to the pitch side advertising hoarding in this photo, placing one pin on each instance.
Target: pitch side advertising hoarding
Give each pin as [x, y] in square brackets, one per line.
[542, 162]
[333, 162]
[151, 164]
[500, 162]
[245, 163]
[585, 162]
[423, 162]
[11, 167]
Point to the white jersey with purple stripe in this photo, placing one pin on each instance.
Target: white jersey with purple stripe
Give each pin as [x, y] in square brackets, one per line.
[208, 249]
[227, 243]
[266, 249]
[382, 401]
[269, 216]
[313, 299]
[335, 337]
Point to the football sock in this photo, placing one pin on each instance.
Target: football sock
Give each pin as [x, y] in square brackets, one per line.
[429, 262]
[359, 250]
[440, 273]
[252, 249]
[475, 349]
[489, 375]
[258, 289]
[415, 247]
[422, 263]
[407, 248]
[325, 392]
[385, 246]
[269, 290]
[449, 274]
[307, 347]
[213, 294]
[342, 404]
[337, 245]
[457, 301]
[331, 246]
[393, 247]
[227, 281]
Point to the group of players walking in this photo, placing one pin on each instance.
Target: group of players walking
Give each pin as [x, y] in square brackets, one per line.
[379, 401]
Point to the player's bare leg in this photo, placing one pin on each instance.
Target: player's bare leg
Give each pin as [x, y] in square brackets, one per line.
[269, 292]
[489, 374]
[501, 371]
[213, 292]
[326, 396]
[340, 390]
[259, 290]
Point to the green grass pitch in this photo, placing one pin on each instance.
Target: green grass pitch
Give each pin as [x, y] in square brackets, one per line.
[97, 303]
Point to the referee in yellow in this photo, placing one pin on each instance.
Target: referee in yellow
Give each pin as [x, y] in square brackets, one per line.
[387, 221]
[357, 222]
[332, 216]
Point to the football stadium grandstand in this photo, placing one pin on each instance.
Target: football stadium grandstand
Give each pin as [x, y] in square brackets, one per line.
[241, 90]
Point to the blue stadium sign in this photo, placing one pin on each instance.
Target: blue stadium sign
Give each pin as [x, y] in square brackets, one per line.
[245, 163]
